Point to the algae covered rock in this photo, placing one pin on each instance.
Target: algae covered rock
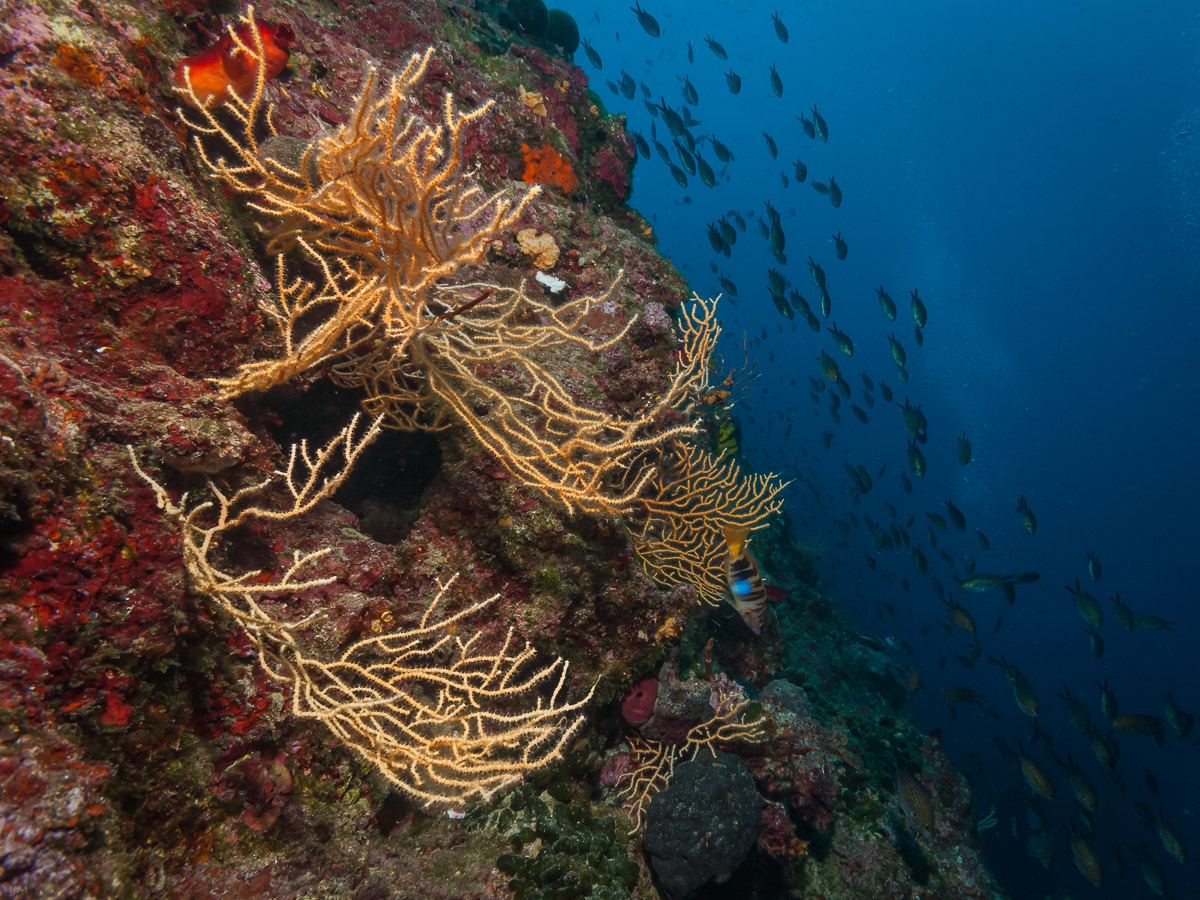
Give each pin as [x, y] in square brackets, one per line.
[701, 827]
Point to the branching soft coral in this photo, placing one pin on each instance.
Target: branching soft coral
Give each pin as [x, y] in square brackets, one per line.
[695, 499]
[444, 718]
[389, 215]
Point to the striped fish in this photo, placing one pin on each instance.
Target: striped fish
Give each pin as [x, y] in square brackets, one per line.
[746, 592]
[1036, 776]
[915, 800]
[1086, 861]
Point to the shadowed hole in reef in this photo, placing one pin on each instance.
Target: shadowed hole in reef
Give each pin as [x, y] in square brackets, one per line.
[387, 483]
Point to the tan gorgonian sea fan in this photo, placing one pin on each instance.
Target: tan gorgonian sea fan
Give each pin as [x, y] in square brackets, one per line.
[444, 717]
[385, 209]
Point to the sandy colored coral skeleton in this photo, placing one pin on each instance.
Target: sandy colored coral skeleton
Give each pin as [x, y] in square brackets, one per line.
[386, 211]
[443, 718]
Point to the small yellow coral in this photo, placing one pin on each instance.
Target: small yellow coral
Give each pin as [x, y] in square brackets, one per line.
[542, 247]
[668, 630]
[534, 101]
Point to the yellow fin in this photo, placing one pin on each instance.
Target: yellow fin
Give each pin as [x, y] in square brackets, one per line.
[735, 539]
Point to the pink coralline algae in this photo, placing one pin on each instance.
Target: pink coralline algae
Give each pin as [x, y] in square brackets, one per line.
[610, 168]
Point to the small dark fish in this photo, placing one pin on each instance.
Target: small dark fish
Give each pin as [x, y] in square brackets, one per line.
[691, 56]
[714, 238]
[1154, 623]
[916, 459]
[820, 187]
[839, 246]
[819, 126]
[919, 337]
[801, 171]
[829, 367]
[886, 303]
[918, 309]
[771, 148]
[1087, 605]
[673, 119]
[643, 148]
[1108, 700]
[1097, 642]
[1027, 517]
[720, 149]
[826, 304]
[647, 21]
[628, 85]
[707, 177]
[690, 95]
[818, 274]
[957, 519]
[659, 147]
[1123, 613]
[1093, 565]
[727, 232]
[1077, 713]
[651, 108]
[776, 82]
[678, 174]
[686, 160]
[780, 29]
[1152, 874]
[734, 80]
[592, 55]
[886, 391]
[963, 695]
[835, 193]
[716, 48]
[964, 452]
[612, 86]
[810, 130]
[1171, 840]
[842, 340]
[782, 306]
[729, 287]
[1140, 725]
[799, 303]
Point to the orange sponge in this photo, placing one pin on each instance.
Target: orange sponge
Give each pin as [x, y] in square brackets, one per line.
[547, 166]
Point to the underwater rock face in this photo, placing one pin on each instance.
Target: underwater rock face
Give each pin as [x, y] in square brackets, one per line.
[701, 827]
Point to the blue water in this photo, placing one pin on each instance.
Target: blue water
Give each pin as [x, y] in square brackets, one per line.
[1034, 171]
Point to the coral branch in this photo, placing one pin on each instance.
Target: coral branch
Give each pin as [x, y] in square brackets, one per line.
[693, 499]
[442, 718]
[389, 215]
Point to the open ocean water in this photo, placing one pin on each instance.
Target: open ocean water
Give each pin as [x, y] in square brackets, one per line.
[1033, 171]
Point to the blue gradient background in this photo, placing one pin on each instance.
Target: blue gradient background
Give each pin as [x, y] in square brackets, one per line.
[1034, 170]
